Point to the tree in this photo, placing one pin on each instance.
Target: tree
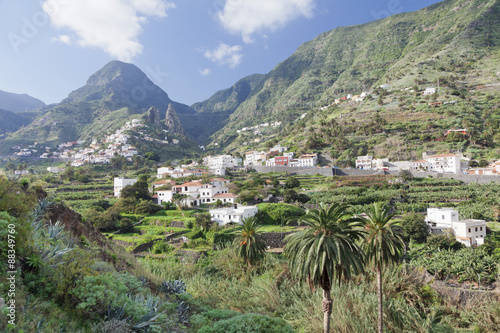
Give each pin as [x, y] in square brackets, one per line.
[151, 155]
[204, 221]
[326, 252]
[177, 199]
[139, 190]
[249, 242]
[415, 228]
[383, 246]
[292, 182]
[118, 161]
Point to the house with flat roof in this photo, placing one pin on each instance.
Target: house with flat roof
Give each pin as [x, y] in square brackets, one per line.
[469, 232]
[235, 214]
[120, 183]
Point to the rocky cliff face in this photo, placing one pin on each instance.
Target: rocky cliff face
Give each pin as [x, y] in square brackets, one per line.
[153, 116]
[172, 121]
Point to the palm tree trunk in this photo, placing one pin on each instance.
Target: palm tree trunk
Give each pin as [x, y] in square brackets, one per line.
[379, 292]
[327, 310]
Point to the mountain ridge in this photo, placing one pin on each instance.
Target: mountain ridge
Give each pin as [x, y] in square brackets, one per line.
[19, 102]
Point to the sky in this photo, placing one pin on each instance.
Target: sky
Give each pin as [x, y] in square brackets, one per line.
[190, 48]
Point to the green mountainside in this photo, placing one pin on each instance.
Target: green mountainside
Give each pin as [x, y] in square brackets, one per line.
[18, 102]
[113, 95]
[456, 41]
[12, 121]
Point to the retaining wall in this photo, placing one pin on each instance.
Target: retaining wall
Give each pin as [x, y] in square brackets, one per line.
[295, 170]
[274, 240]
[329, 172]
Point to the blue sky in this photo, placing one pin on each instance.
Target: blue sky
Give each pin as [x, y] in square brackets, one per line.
[190, 48]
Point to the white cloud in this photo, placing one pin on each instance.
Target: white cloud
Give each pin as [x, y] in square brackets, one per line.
[225, 55]
[247, 17]
[63, 39]
[205, 71]
[111, 25]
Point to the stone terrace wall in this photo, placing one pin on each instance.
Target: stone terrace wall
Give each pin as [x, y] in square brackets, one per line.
[295, 170]
[463, 177]
[329, 172]
[274, 240]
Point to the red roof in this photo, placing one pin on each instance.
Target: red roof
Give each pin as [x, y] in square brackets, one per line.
[226, 195]
[189, 184]
[164, 181]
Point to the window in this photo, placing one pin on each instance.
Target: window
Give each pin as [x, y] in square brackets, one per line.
[480, 228]
[476, 229]
[469, 229]
[442, 216]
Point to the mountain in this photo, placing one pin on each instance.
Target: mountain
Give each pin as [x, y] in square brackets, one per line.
[18, 102]
[450, 38]
[12, 121]
[113, 95]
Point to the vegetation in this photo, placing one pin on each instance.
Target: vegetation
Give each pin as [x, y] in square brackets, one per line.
[383, 247]
[326, 252]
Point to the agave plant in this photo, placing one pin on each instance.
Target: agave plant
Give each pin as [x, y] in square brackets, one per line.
[173, 287]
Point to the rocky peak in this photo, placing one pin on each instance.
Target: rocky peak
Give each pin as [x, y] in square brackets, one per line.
[172, 121]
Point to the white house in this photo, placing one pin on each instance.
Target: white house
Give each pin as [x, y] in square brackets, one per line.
[280, 149]
[164, 196]
[120, 183]
[364, 162]
[255, 158]
[441, 217]
[429, 91]
[468, 232]
[438, 163]
[308, 160]
[219, 182]
[54, 169]
[235, 214]
[221, 161]
[77, 163]
[444, 163]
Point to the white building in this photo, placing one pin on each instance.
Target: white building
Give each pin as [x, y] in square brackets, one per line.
[255, 158]
[235, 214]
[54, 169]
[308, 160]
[444, 163]
[364, 162]
[441, 217]
[438, 163]
[468, 232]
[218, 164]
[279, 148]
[120, 183]
[429, 91]
[164, 196]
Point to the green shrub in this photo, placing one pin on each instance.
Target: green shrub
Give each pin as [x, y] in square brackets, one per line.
[249, 323]
[195, 234]
[147, 207]
[273, 213]
[161, 246]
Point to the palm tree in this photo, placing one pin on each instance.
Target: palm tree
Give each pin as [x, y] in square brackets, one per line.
[249, 242]
[326, 251]
[383, 245]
